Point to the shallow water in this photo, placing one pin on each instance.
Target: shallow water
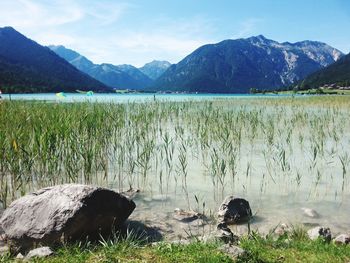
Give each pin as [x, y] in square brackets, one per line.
[129, 97]
[277, 178]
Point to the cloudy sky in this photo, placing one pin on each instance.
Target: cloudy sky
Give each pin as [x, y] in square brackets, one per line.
[138, 31]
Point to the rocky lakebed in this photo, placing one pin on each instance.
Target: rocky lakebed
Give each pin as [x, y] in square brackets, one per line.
[36, 224]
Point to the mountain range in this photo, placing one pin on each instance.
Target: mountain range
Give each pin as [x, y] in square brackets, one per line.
[26, 66]
[236, 66]
[230, 66]
[115, 76]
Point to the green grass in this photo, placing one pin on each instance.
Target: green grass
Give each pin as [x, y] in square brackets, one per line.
[131, 252]
[258, 249]
[286, 249]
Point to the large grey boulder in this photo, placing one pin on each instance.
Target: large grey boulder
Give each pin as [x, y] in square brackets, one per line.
[64, 213]
[234, 210]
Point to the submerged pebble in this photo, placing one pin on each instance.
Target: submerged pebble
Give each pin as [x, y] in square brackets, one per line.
[157, 198]
[310, 212]
[186, 216]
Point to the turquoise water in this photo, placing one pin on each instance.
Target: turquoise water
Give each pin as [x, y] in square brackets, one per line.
[123, 98]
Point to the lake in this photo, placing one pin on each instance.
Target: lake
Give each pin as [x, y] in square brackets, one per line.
[129, 97]
[281, 153]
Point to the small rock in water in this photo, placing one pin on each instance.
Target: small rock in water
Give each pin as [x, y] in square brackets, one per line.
[342, 239]
[323, 232]
[233, 251]
[310, 212]
[40, 252]
[157, 198]
[186, 216]
[235, 210]
[160, 198]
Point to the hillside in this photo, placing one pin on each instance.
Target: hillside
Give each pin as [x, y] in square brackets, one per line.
[236, 66]
[337, 73]
[26, 66]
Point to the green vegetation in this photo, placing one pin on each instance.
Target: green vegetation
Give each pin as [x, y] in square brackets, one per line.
[154, 145]
[293, 247]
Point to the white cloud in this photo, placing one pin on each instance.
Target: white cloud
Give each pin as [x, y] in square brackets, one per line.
[93, 28]
[29, 14]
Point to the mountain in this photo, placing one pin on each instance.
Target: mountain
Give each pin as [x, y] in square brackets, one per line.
[236, 66]
[136, 74]
[155, 68]
[121, 77]
[26, 66]
[337, 73]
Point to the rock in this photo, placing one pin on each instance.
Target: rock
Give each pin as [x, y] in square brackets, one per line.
[323, 232]
[186, 216]
[160, 198]
[233, 251]
[68, 212]
[19, 256]
[235, 210]
[40, 252]
[225, 234]
[342, 239]
[310, 212]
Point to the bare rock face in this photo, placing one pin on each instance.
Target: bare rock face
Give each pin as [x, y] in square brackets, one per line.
[235, 210]
[64, 213]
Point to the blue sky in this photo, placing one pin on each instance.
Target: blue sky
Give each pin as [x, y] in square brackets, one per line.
[138, 31]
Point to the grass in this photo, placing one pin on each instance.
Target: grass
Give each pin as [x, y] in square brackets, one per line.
[131, 252]
[286, 248]
[292, 249]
